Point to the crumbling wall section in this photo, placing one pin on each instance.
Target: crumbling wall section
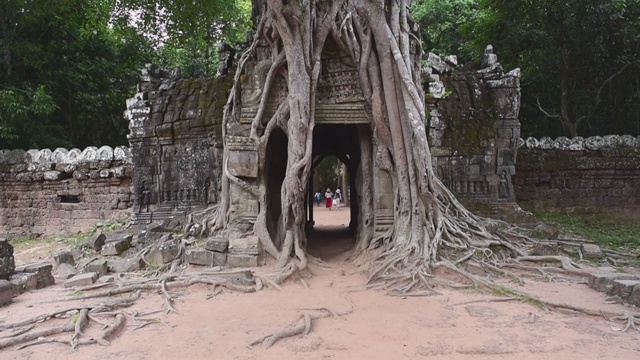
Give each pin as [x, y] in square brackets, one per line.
[176, 141]
[44, 192]
[593, 174]
[474, 129]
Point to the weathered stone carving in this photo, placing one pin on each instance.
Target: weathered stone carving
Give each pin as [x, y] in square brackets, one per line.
[474, 129]
[176, 142]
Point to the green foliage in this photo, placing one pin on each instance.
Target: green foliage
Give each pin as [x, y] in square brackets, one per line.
[19, 110]
[605, 230]
[447, 27]
[23, 242]
[67, 71]
[326, 174]
[586, 51]
[187, 33]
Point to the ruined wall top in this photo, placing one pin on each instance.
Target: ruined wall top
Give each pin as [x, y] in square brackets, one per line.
[593, 143]
[63, 159]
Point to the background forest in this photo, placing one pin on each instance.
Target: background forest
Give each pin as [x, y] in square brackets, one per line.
[67, 66]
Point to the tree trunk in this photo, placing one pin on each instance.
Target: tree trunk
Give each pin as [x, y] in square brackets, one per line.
[430, 228]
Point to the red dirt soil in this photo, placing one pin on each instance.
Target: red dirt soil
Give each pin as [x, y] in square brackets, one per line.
[444, 326]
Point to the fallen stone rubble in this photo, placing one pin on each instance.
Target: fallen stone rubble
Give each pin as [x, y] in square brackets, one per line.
[150, 247]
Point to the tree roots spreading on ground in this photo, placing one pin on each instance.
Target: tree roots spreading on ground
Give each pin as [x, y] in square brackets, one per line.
[431, 229]
[432, 232]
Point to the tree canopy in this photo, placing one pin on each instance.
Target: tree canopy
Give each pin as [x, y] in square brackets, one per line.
[67, 66]
[579, 61]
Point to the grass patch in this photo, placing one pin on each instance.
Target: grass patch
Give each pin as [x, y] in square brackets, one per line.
[23, 242]
[603, 229]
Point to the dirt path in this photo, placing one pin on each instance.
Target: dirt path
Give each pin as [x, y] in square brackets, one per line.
[381, 327]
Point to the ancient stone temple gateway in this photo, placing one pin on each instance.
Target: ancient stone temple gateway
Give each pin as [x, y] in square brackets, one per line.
[177, 140]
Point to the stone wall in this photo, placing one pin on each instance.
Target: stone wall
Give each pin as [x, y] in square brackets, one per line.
[44, 192]
[474, 129]
[176, 141]
[593, 174]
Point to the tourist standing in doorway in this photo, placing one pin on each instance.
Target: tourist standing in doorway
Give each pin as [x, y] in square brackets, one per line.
[328, 195]
[318, 197]
[336, 199]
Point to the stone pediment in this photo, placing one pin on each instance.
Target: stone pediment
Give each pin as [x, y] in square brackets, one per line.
[339, 99]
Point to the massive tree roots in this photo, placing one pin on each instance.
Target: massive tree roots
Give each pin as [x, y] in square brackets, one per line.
[432, 234]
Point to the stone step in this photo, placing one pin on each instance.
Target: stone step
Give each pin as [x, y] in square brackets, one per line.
[626, 286]
[84, 279]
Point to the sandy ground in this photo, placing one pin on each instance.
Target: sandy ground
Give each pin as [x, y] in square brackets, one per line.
[453, 325]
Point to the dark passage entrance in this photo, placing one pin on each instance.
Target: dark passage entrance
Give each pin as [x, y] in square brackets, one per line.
[331, 232]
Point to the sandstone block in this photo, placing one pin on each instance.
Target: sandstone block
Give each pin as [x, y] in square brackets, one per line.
[163, 253]
[52, 175]
[66, 271]
[624, 288]
[63, 257]
[603, 282]
[23, 282]
[98, 266]
[106, 279]
[591, 251]
[6, 292]
[6, 249]
[200, 257]
[42, 272]
[97, 242]
[242, 260]
[126, 265]
[248, 246]
[116, 247]
[217, 244]
[219, 259]
[84, 279]
[149, 237]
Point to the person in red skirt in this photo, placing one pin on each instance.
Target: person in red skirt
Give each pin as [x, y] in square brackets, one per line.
[329, 196]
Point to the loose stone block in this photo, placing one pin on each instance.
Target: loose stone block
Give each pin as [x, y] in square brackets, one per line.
[248, 246]
[591, 251]
[96, 265]
[66, 271]
[242, 260]
[63, 257]
[217, 244]
[23, 282]
[163, 253]
[6, 292]
[106, 279]
[85, 279]
[42, 272]
[219, 259]
[97, 242]
[624, 288]
[7, 264]
[603, 282]
[116, 247]
[126, 265]
[149, 237]
[200, 257]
